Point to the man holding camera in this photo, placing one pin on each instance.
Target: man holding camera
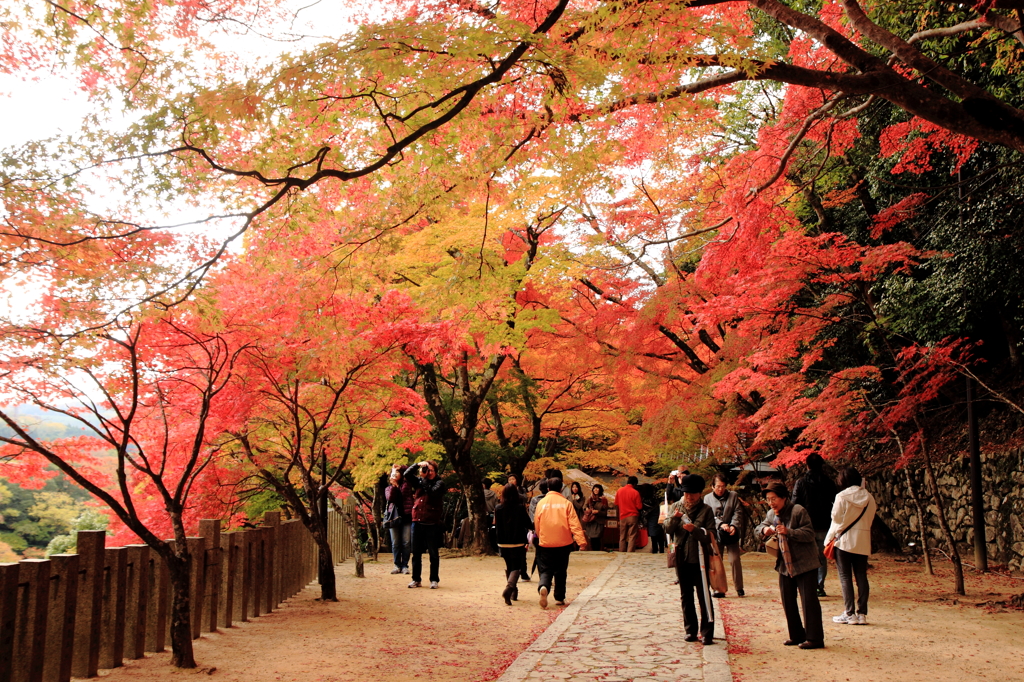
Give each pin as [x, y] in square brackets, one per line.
[427, 510]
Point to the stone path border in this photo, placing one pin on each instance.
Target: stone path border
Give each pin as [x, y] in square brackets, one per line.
[715, 666]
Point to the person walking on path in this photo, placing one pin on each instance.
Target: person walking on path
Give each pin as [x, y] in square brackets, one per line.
[852, 515]
[542, 490]
[628, 501]
[399, 495]
[730, 520]
[815, 492]
[690, 522]
[558, 531]
[649, 517]
[595, 514]
[797, 565]
[524, 573]
[427, 509]
[511, 523]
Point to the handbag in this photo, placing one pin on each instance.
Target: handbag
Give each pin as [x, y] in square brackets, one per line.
[772, 546]
[392, 516]
[670, 554]
[830, 548]
[716, 575]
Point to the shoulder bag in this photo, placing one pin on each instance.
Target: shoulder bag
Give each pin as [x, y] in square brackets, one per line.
[830, 548]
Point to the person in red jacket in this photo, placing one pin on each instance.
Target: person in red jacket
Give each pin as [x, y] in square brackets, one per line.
[628, 501]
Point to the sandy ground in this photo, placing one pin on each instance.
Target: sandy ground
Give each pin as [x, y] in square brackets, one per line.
[380, 630]
[463, 632]
[918, 629]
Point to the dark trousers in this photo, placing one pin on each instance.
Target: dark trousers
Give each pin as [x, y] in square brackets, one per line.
[689, 582]
[819, 538]
[515, 558]
[656, 534]
[553, 563]
[810, 630]
[595, 543]
[853, 566]
[425, 537]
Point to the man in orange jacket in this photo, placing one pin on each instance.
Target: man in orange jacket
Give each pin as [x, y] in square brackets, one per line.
[558, 529]
[627, 499]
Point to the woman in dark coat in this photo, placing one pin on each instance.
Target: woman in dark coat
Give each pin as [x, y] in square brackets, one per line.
[797, 564]
[511, 522]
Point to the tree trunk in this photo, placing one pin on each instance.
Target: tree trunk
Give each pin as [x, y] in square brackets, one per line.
[473, 490]
[920, 520]
[954, 553]
[325, 565]
[180, 570]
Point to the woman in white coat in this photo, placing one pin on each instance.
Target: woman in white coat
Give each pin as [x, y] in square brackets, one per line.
[852, 514]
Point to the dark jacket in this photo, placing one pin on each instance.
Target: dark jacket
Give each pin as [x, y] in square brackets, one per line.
[729, 511]
[816, 493]
[428, 497]
[511, 524]
[402, 497]
[686, 541]
[802, 546]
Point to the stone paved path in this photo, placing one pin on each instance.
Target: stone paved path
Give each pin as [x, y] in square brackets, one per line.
[627, 625]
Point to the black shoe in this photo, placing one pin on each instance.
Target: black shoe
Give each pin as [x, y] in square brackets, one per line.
[718, 595]
[790, 642]
[707, 641]
[811, 645]
[507, 594]
[740, 593]
[690, 638]
[821, 592]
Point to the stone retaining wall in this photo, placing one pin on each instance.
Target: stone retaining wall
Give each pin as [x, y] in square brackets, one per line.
[1003, 480]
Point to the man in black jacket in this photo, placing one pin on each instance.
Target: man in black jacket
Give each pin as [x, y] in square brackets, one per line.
[815, 492]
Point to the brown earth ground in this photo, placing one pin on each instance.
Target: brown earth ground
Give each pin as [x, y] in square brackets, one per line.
[463, 632]
[380, 630]
[917, 628]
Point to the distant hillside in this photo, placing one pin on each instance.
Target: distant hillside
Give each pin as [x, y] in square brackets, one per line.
[44, 425]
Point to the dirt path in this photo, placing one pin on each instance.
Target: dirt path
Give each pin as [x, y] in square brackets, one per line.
[917, 630]
[381, 630]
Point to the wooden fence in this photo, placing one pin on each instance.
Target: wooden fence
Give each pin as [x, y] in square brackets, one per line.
[72, 614]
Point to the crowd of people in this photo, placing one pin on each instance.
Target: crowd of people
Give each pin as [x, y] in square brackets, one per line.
[820, 519]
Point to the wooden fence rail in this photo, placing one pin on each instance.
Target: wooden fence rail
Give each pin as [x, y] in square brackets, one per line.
[73, 614]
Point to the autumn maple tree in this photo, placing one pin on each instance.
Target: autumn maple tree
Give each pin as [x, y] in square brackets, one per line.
[149, 395]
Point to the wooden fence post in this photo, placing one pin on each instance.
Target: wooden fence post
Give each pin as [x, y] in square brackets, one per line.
[112, 619]
[30, 619]
[246, 566]
[8, 613]
[60, 634]
[136, 601]
[210, 530]
[272, 521]
[197, 549]
[156, 610]
[86, 657]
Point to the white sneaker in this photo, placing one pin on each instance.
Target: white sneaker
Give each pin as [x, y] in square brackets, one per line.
[414, 583]
[543, 597]
[396, 570]
[845, 619]
[433, 584]
[861, 619]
